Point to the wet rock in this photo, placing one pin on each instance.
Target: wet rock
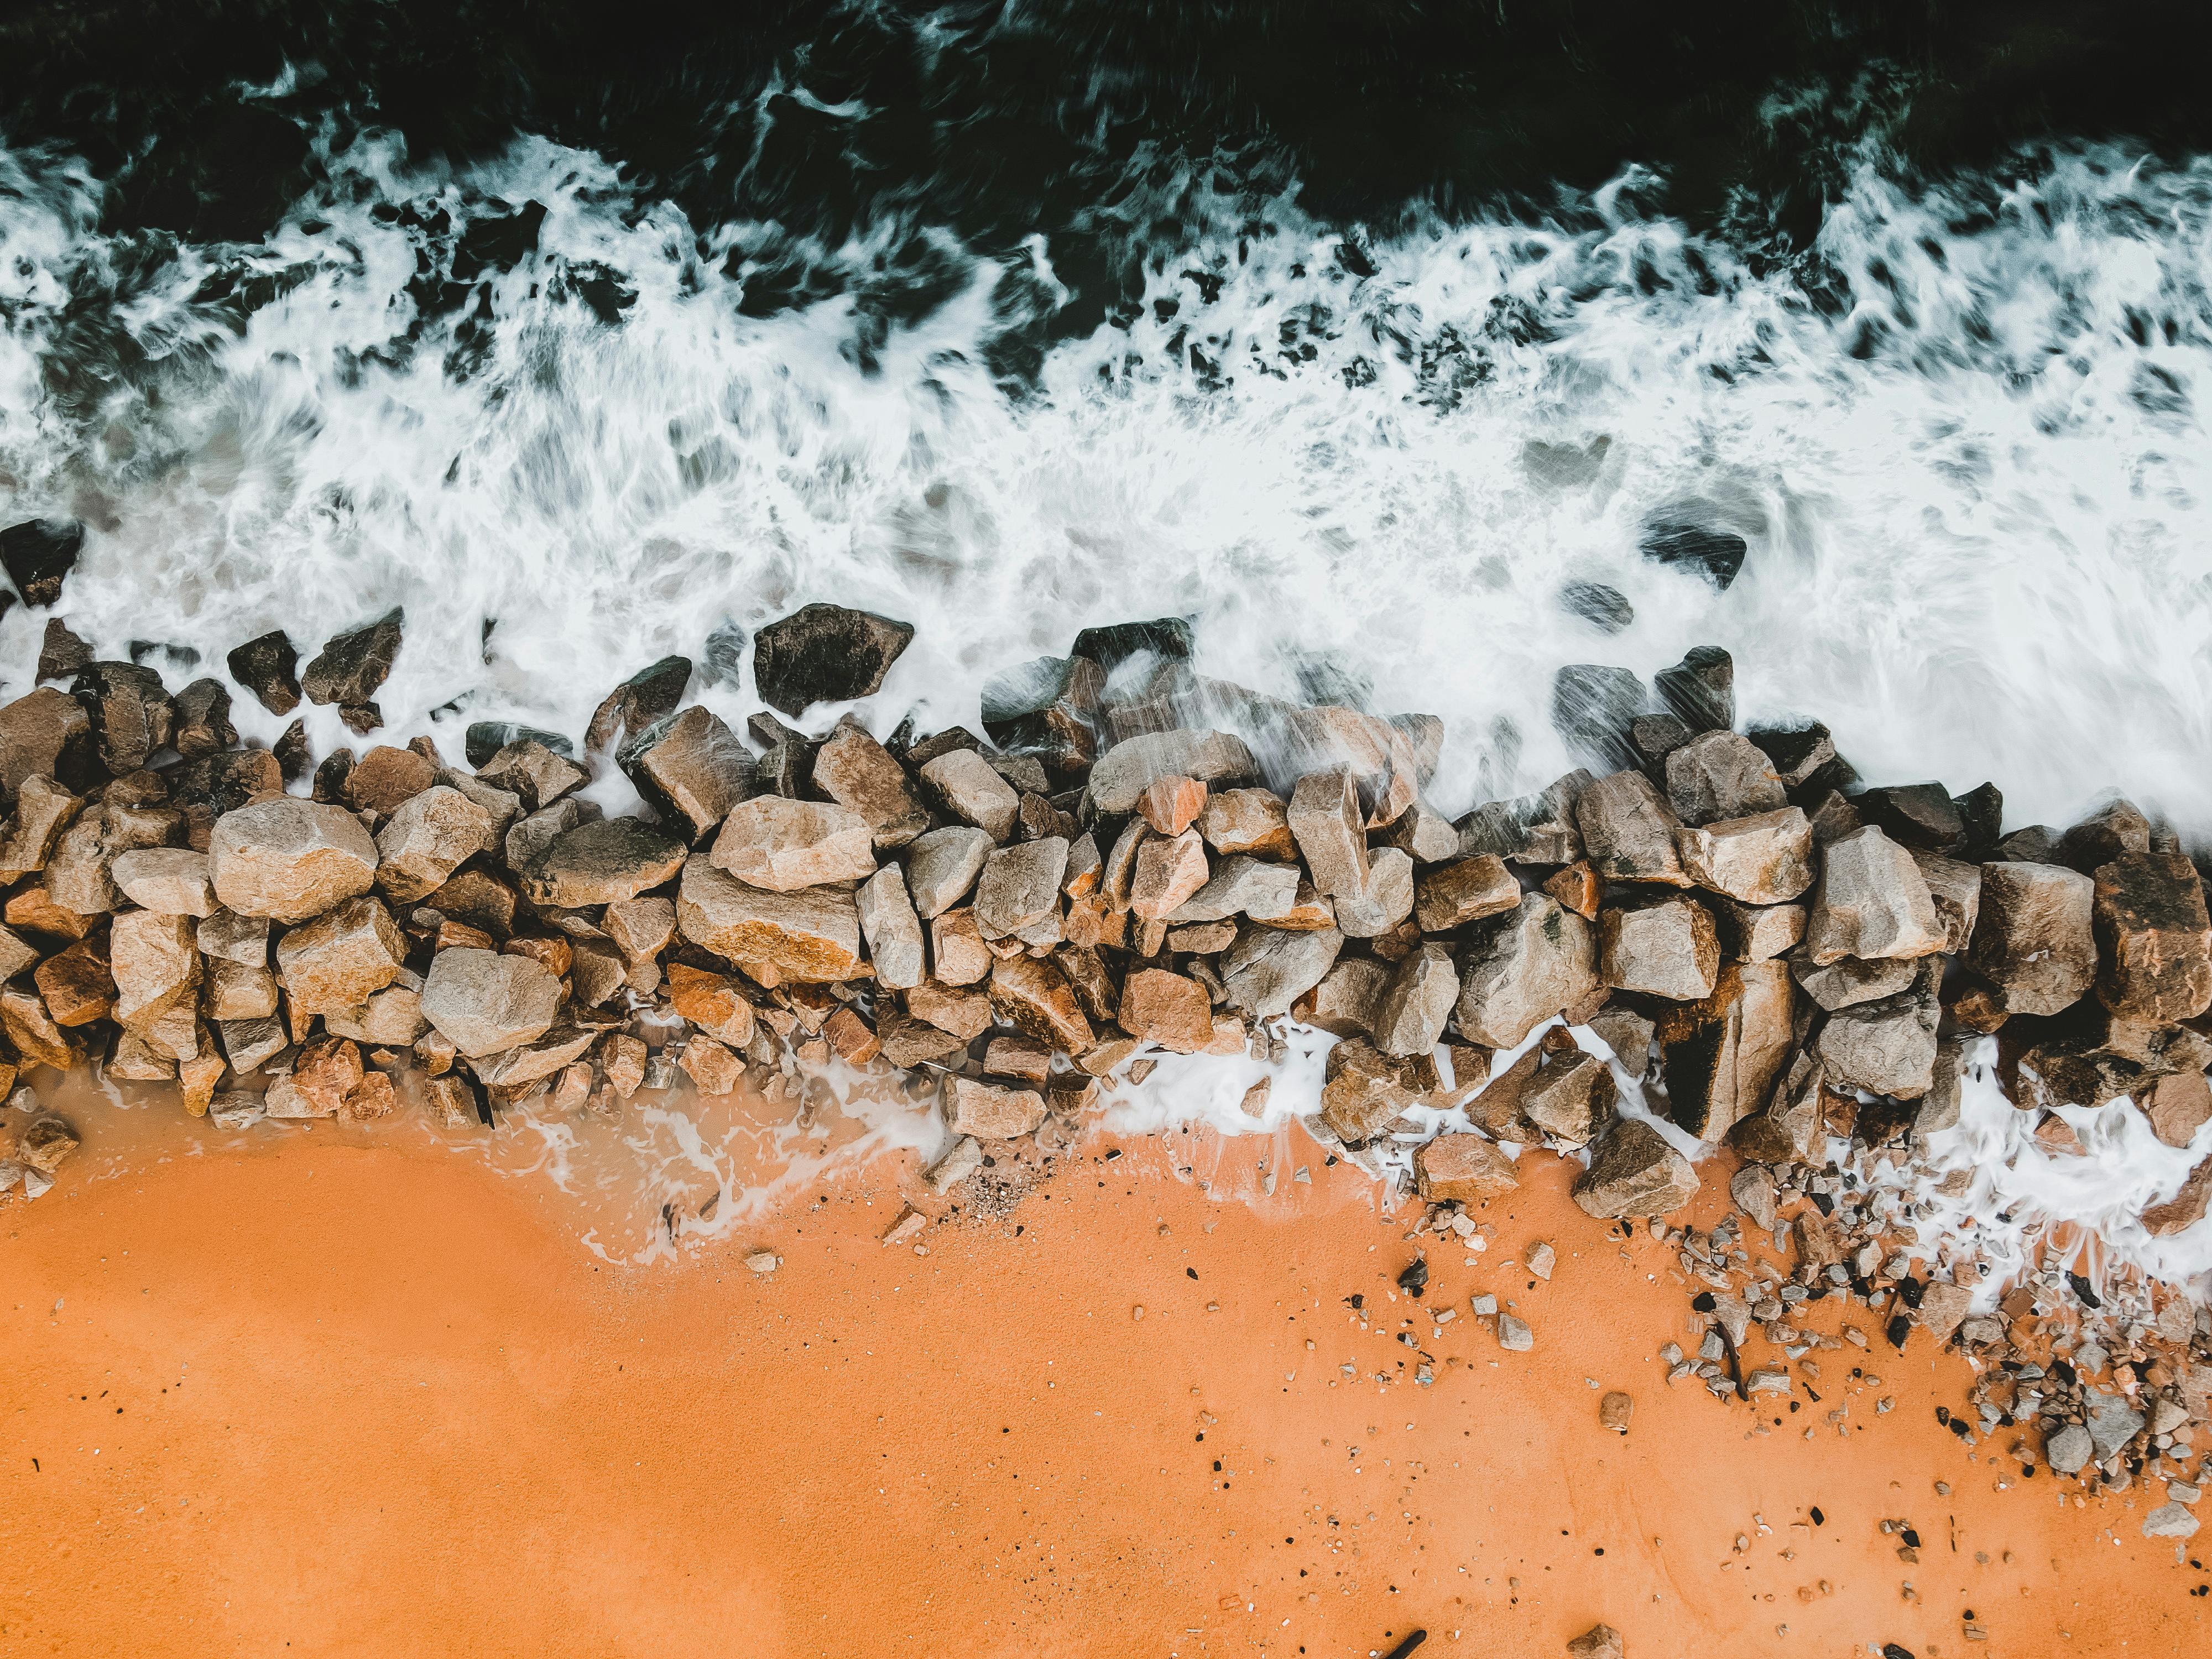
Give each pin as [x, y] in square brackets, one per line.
[1036, 997]
[386, 778]
[647, 697]
[1410, 1014]
[200, 723]
[784, 846]
[62, 654]
[1462, 1169]
[1240, 886]
[529, 1063]
[1571, 1100]
[1721, 775]
[811, 936]
[1666, 949]
[45, 734]
[250, 1044]
[1605, 608]
[1169, 871]
[1345, 999]
[825, 653]
[1847, 982]
[1048, 707]
[1018, 893]
[1539, 829]
[1452, 895]
[1939, 1107]
[351, 665]
[852, 768]
[972, 790]
[1886, 1048]
[989, 1112]
[427, 839]
[32, 1032]
[1248, 821]
[534, 772]
[1721, 1056]
[893, 931]
[485, 1002]
[78, 875]
[1629, 831]
[1700, 689]
[289, 858]
[224, 782]
[2177, 1106]
[1327, 824]
[1763, 860]
[1171, 805]
[2034, 940]
[43, 810]
[1635, 1173]
[1364, 1090]
[690, 768]
[1872, 901]
[1628, 1031]
[943, 866]
[168, 880]
[2185, 1208]
[2103, 835]
[1577, 887]
[1593, 707]
[1716, 555]
[711, 1003]
[485, 739]
[1378, 755]
[1425, 834]
[1523, 967]
[1167, 638]
[1919, 815]
[341, 958]
[39, 555]
[2153, 938]
[1956, 889]
[1269, 969]
[1386, 901]
[604, 862]
[1654, 737]
[1169, 1009]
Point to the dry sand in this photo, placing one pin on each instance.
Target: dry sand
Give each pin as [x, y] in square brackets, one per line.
[341, 1398]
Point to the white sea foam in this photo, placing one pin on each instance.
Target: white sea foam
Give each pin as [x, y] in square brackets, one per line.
[1978, 496]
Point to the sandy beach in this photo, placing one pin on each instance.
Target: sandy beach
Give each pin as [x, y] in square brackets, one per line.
[339, 1398]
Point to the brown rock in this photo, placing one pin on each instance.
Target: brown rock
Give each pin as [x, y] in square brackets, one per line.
[1018, 893]
[1169, 872]
[859, 774]
[640, 927]
[1326, 823]
[486, 1002]
[156, 964]
[1451, 895]
[2177, 1106]
[1886, 1048]
[33, 908]
[327, 1070]
[43, 810]
[385, 777]
[1036, 997]
[893, 930]
[907, 1042]
[534, 772]
[1615, 1412]
[1169, 1009]
[429, 836]
[605, 862]
[1956, 889]
[956, 949]
[2034, 939]
[1719, 775]
[1345, 999]
[1410, 1014]
[850, 1039]
[1763, 860]
[711, 1067]
[1872, 902]
[1669, 949]
[1522, 969]
[289, 858]
[172, 880]
[1204, 938]
[1365, 1089]
[1171, 805]
[1463, 1169]
[41, 735]
[391, 1016]
[37, 1040]
[2153, 938]
[988, 1112]
[973, 792]
[1576, 886]
[811, 936]
[1387, 901]
[1722, 1054]
[1598, 1642]
[2185, 1208]
[711, 1002]
[1629, 831]
[341, 958]
[1759, 933]
[1270, 968]
[1635, 1173]
[76, 985]
[1252, 821]
[782, 846]
[690, 768]
[1242, 885]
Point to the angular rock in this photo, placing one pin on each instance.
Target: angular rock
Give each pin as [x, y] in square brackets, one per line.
[1169, 1009]
[1121, 774]
[1576, 886]
[712, 1002]
[485, 1002]
[1425, 834]
[45, 734]
[892, 928]
[606, 862]
[1720, 775]
[1872, 901]
[201, 724]
[1886, 1048]
[62, 654]
[267, 667]
[1570, 1099]
[130, 713]
[1240, 885]
[1036, 997]
[43, 810]
[1386, 901]
[1759, 933]
[289, 858]
[1169, 871]
[1848, 982]
[1628, 1033]
[1629, 832]
[535, 773]
[1721, 1056]
[972, 790]
[690, 768]
[426, 840]
[1603, 1641]
[341, 958]
[156, 964]
[811, 936]
[233, 991]
[1523, 968]
[2034, 938]
[825, 653]
[1345, 999]
[1539, 829]
[2185, 1208]
[39, 555]
[1593, 707]
[1019, 890]
[1269, 969]
[1410, 1014]
[1327, 824]
[78, 986]
[943, 866]
[1248, 821]
[1766, 858]
[1365, 1090]
[1669, 949]
[1635, 1173]
[957, 952]
[1956, 891]
[386, 778]
[1048, 707]
[1462, 1169]
[989, 1112]
[2177, 1106]
[1919, 815]
[1700, 689]
[539, 1058]
[651, 694]
[32, 1032]
[783, 846]
[2103, 835]
[859, 774]
[351, 665]
[2153, 938]
[1452, 895]
[172, 880]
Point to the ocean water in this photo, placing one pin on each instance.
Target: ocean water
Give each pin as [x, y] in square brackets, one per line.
[996, 321]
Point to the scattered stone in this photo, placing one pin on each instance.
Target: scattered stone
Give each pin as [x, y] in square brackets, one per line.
[1635, 1173]
[2034, 940]
[825, 653]
[1514, 1334]
[1615, 1412]
[290, 859]
[201, 723]
[1666, 949]
[2169, 1521]
[956, 949]
[1872, 901]
[1571, 1100]
[2177, 1106]
[1606, 609]
[712, 1069]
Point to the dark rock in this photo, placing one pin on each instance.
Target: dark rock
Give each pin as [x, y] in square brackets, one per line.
[1981, 814]
[1654, 737]
[721, 659]
[2037, 843]
[130, 710]
[1605, 608]
[537, 773]
[1047, 708]
[1539, 829]
[690, 767]
[2153, 940]
[1920, 816]
[268, 667]
[354, 663]
[485, 738]
[2105, 836]
[62, 654]
[649, 695]
[330, 776]
[1593, 707]
[182, 658]
[227, 779]
[604, 862]
[1804, 758]
[1717, 554]
[1701, 689]
[38, 554]
[914, 753]
[1165, 637]
[361, 717]
[2034, 938]
[294, 756]
[202, 722]
[825, 653]
[787, 764]
[1722, 1054]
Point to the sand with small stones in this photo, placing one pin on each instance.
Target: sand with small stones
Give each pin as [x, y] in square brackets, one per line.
[345, 1398]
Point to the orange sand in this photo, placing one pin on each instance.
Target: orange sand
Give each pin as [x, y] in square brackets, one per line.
[337, 1399]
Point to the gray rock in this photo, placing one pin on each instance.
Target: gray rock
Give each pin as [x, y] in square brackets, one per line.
[289, 858]
[1345, 999]
[601, 863]
[1700, 689]
[1385, 901]
[1269, 969]
[2170, 1521]
[1766, 858]
[1847, 983]
[690, 768]
[535, 1058]
[1872, 902]
[533, 832]
[1635, 1173]
[1939, 1108]
[943, 865]
[1570, 1099]
[1592, 708]
[1668, 949]
[1019, 889]
[972, 790]
[1424, 834]
[1123, 771]
[2113, 1422]
[1956, 889]
[1523, 968]
[1410, 1015]
[1539, 829]
[651, 694]
[1754, 1190]
[1628, 1033]
[2034, 938]
[785, 845]
[1722, 775]
[534, 772]
[1629, 831]
[485, 1002]
[893, 931]
[1330, 830]
[1240, 886]
[1886, 1048]
[2068, 1450]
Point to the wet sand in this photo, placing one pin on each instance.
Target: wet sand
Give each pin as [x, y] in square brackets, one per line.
[349, 1398]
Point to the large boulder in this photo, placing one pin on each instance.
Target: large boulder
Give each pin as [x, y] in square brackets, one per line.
[289, 858]
[971, 789]
[427, 839]
[1523, 968]
[1450, 895]
[1886, 1048]
[2034, 939]
[1326, 823]
[1872, 901]
[1410, 1014]
[2153, 938]
[810, 936]
[1722, 775]
[601, 863]
[168, 880]
[1669, 949]
[942, 867]
[1269, 969]
[650, 695]
[130, 713]
[1018, 893]
[1635, 1173]
[1766, 859]
[690, 768]
[825, 653]
[267, 667]
[484, 1002]
[785, 845]
[341, 958]
[156, 963]
[46, 734]
[1169, 1009]
[1628, 831]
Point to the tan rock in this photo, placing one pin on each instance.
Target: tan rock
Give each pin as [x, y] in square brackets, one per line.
[1252, 821]
[1872, 901]
[342, 959]
[892, 928]
[973, 792]
[1169, 1009]
[988, 1112]
[690, 767]
[1363, 1091]
[156, 960]
[2185, 1208]
[15, 955]
[1463, 1169]
[966, 1014]
[77, 985]
[33, 910]
[534, 772]
[43, 810]
[859, 774]
[2177, 1106]
[1380, 907]
[811, 936]
[1171, 805]
[1635, 1173]
[1523, 968]
[622, 1061]
[172, 880]
[80, 874]
[371, 1098]
[1722, 1054]
[429, 835]
[486, 1002]
[35, 732]
[1410, 1014]
[529, 1062]
[289, 858]
[197, 1079]
[1449, 896]
[711, 1067]
[2034, 938]
[850, 1039]
[327, 1071]
[783, 846]
[2153, 938]
[385, 777]
[1956, 889]
[943, 866]
[1269, 967]
[1169, 872]
[713, 1003]
[1036, 997]
[1330, 829]
[1629, 831]
[1122, 773]
[1345, 999]
[1669, 949]
[1763, 860]
[957, 948]
[449, 1100]
[392, 1017]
